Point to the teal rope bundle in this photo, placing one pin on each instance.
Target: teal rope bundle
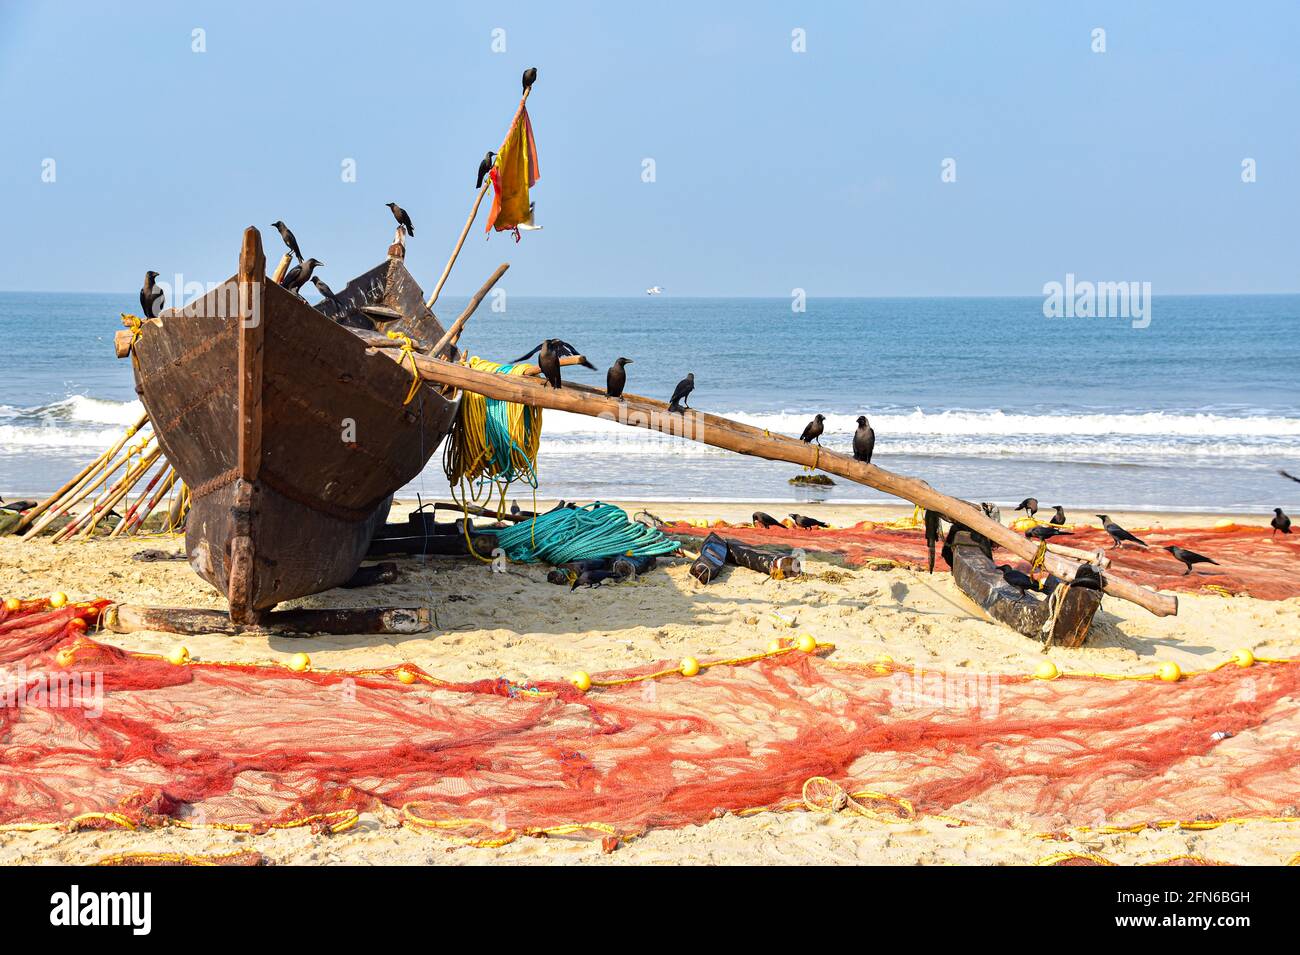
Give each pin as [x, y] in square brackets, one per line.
[582, 533]
[502, 441]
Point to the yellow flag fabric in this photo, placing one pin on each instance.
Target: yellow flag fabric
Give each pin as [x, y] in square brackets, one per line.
[514, 172]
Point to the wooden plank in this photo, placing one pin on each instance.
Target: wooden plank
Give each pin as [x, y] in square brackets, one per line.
[252, 331]
[637, 411]
[126, 618]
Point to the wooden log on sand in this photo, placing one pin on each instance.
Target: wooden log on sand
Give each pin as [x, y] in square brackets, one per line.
[719, 432]
[126, 618]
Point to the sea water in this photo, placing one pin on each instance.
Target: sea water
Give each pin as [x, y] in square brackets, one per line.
[986, 398]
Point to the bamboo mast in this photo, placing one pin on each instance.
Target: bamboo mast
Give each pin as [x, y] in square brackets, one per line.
[473, 214]
[719, 432]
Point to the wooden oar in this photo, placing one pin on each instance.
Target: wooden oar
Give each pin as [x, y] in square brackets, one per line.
[640, 412]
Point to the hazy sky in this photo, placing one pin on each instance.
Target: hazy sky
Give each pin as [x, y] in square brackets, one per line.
[774, 169]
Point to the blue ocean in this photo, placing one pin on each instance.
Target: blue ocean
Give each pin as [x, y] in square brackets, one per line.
[985, 398]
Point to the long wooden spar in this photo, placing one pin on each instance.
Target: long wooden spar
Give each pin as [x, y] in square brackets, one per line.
[639, 412]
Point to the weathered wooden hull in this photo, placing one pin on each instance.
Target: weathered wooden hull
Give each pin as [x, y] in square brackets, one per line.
[286, 497]
[1034, 616]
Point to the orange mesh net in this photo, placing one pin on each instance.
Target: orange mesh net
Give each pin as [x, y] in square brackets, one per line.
[1251, 560]
[254, 747]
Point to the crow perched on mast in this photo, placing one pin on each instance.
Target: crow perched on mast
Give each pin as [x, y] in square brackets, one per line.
[530, 77]
[484, 167]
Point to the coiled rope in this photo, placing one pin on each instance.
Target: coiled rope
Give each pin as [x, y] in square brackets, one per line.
[493, 441]
[582, 533]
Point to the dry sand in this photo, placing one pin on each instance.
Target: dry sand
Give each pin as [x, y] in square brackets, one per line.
[518, 626]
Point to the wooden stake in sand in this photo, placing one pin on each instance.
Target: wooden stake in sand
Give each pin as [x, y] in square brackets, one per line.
[639, 412]
[85, 474]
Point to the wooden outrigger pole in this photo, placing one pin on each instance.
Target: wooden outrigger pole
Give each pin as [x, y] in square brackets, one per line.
[718, 432]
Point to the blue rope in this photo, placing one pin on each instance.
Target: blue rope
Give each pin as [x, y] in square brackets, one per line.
[503, 444]
[583, 533]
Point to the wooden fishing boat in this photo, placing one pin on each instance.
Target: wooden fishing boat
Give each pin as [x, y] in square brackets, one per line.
[291, 430]
[1059, 617]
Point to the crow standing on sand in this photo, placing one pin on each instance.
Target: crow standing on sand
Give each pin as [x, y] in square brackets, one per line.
[1029, 505]
[765, 520]
[1045, 532]
[402, 218]
[812, 431]
[864, 440]
[1117, 533]
[549, 354]
[1189, 557]
[1280, 522]
[298, 275]
[151, 296]
[682, 392]
[484, 167]
[289, 240]
[807, 523]
[616, 377]
[1059, 517]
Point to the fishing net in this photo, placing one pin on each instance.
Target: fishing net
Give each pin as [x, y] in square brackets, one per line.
[1251, 561]
[117, 739]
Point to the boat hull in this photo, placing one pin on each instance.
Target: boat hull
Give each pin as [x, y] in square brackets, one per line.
[291, 510]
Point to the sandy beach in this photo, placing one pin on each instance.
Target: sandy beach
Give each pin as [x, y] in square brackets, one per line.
[518, 626]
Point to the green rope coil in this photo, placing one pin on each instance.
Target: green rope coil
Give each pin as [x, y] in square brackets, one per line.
[582, 533]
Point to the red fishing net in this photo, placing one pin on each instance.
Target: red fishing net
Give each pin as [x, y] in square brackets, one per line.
[1251, 561]
[93, 735]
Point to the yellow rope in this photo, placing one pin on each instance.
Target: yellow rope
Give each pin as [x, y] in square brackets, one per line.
[469, 454]
[408, 352]
[134, 323]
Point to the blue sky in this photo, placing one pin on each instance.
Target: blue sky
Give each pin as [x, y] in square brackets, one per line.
[774, 169]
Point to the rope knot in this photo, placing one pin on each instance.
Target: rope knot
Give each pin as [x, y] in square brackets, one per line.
[408, 351]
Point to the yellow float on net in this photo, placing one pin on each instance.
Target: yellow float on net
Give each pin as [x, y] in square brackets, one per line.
[405, 676]
[1243, 657]
[66, 656]
[13, 603]
[806, 642]
[773, 646]
[690, 666]
[300, 663]
[58, 599]
[1169, 672]
[178, 655]
[581, 680]
[1047, 671]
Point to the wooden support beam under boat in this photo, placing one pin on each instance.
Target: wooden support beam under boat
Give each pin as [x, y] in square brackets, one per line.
[127, 618]
[640, 412]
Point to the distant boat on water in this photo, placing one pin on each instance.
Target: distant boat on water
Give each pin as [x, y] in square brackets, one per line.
[655, 290]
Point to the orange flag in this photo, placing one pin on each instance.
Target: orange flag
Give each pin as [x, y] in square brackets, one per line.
[513, 174]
